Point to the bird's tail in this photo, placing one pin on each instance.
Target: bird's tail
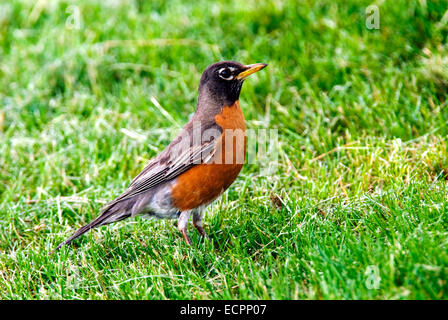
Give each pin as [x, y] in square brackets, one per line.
[115, 211]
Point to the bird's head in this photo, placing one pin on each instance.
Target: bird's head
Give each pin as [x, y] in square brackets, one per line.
[221, 82]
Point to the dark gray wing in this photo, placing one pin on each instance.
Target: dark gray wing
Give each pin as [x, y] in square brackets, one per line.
[160, 171]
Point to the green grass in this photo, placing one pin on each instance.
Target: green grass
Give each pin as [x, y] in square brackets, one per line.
[362, 178]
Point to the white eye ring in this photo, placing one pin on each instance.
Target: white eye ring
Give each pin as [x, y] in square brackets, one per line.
[231, 71]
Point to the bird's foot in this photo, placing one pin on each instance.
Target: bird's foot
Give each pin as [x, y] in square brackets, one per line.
[201, 231]
[185, 235]
[183, 224]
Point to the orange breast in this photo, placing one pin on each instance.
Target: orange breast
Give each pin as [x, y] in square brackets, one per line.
[205, 182]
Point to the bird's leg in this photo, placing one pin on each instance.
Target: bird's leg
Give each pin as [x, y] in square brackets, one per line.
[182, 226]
[197, 222]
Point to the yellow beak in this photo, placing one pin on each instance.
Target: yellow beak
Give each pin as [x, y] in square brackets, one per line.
[251, 68]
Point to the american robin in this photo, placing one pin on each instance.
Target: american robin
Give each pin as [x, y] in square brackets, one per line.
[197, 166]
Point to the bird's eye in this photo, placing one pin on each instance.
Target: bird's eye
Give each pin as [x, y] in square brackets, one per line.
[225, 73]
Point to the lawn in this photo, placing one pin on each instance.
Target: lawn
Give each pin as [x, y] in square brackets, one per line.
[356, 206]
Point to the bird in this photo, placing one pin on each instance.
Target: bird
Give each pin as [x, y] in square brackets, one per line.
[198, 165]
